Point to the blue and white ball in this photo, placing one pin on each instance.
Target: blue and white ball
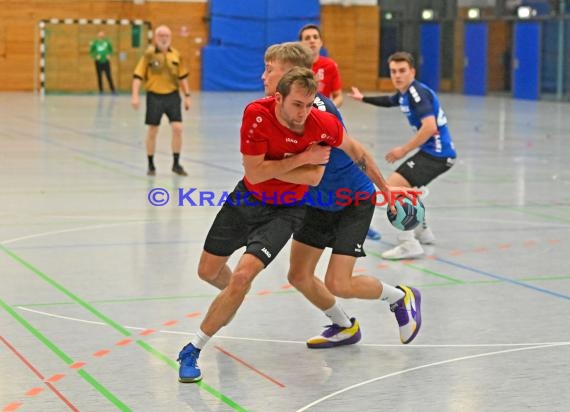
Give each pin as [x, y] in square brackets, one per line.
[408, 215]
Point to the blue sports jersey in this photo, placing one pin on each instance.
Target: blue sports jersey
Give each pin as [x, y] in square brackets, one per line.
[420, 101]
[340, 172]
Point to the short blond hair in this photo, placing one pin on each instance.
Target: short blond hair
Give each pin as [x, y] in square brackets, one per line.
[292, 53]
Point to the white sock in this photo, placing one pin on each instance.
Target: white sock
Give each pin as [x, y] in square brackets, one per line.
[337, 315]
[391, 294]
[200, 339]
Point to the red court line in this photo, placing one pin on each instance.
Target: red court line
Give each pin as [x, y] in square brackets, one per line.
[12, 407]
[101, 353]
[34, 391]
[16, 405]
[269, 378]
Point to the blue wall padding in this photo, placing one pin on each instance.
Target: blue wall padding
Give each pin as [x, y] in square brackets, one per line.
[279, 31]
[305, 9]
[266, 9]
[240, 31]
[231, 68]
[250, 34]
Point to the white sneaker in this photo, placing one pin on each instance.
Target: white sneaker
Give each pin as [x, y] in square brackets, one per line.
[405, 250]
[424, 235]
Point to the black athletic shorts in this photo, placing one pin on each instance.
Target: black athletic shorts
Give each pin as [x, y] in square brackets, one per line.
[159, 104]
[422, 168]
[344, 231]
[262, 229]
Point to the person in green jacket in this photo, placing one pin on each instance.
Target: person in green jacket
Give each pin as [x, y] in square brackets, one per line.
[100, 49]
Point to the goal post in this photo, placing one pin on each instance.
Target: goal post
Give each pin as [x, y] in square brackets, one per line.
[65, 65]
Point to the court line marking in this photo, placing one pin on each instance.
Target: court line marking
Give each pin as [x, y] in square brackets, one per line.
[36, 372]
[114, 325]
[429, 365]
[70, 230]
[174, 332]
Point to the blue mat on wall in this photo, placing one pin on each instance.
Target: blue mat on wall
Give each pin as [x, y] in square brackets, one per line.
[227, 68]
[240, 31]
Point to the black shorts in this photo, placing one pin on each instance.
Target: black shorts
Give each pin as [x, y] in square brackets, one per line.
[344, 231]
[263, 229]
[159, 104]
[422, 168]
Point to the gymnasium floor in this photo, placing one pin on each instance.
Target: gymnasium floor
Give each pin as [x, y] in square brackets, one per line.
[99, 288]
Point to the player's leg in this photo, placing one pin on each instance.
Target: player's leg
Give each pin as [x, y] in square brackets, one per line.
[173, 111]
[214, 270]
[99, 70]
[228, 233]
[107, 70]
[220, 312]
[154, 112]
[269, 228]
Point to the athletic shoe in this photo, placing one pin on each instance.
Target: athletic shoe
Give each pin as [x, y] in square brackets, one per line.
[373, 234]
[408, 313]
[424, 235]
[151, 172]
[179, 170]
[335, 335]
[406, 250]
[189, 370]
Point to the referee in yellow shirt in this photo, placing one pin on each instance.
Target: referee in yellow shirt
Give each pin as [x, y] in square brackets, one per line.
[163, 71]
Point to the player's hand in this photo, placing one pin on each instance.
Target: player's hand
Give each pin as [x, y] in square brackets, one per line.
[187, 102]
[135, 102]
[394, 192]
[317, 154]
[355, 94]
[395, 154]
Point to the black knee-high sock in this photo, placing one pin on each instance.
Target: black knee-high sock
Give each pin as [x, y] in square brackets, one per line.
[151, 162]
[176, 157]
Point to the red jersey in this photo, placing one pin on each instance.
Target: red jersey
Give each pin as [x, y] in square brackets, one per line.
[327, 75]
[261, 133]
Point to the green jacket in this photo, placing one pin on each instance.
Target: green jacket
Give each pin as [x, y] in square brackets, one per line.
[100, 50]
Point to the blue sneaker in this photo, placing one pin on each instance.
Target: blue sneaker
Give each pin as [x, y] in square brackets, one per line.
[335, 335]
[189, 370]
[373, 234]
[408, 313]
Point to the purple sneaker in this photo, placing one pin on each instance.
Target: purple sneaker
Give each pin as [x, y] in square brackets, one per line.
[408, 313]
[335, 335]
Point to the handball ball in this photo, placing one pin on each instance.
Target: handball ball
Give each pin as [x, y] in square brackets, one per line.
[408, 215]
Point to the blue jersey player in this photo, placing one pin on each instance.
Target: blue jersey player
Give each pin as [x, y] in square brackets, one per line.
[435, 154]
[333, 221]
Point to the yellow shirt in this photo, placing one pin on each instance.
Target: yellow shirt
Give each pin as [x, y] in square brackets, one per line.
[161, 72]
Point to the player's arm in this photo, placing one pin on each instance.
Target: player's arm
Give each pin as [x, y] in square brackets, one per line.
[337, 97]
[426, 130]
[364, 160]
[304, 175]
[383, 101]
[258, 169]
[138, 76]
[135, 92]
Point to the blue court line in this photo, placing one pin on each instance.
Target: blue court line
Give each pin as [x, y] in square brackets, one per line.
[493, 276]
[503, 278]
